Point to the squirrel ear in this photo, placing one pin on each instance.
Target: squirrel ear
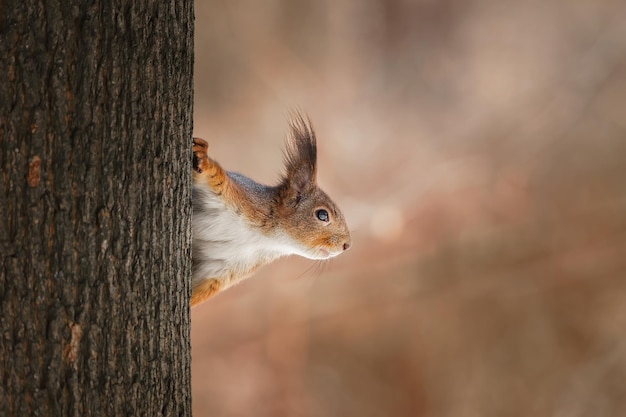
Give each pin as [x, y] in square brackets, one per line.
[300, 154]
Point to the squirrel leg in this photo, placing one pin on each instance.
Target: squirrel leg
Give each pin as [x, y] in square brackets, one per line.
[204, 290]
[207, 169]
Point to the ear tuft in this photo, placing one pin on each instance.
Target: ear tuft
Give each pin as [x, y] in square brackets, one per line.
[300, 153]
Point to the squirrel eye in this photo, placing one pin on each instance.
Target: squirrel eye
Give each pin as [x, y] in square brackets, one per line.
[322, 215]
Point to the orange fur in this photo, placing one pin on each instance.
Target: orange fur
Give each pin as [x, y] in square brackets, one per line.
[205, 290]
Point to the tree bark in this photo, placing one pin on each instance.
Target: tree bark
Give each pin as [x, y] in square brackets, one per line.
[95, 207]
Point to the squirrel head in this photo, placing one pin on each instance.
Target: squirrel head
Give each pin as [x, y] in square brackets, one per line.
[307, 214]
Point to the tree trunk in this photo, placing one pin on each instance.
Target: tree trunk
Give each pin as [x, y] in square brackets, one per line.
[95, 207]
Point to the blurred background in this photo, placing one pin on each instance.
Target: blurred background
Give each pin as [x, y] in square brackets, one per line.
[478, 151]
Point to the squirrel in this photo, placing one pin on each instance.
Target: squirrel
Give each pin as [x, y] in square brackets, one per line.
[239, 225]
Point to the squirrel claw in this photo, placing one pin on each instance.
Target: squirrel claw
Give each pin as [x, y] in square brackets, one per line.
[200, 158]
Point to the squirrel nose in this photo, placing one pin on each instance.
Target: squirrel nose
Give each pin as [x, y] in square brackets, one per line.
[346, 246]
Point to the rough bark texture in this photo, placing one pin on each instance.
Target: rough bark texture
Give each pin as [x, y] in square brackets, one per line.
[95, 144]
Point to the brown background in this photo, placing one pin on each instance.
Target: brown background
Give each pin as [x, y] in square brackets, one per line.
[478, 150]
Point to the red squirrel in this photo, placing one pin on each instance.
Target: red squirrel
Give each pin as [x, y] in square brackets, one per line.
[239, 225]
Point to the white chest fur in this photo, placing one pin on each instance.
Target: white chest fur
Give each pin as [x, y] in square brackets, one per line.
[226, 245]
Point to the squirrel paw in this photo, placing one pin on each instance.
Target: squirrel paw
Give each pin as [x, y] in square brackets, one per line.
[200, 157]
[203, 291]
[206, 168]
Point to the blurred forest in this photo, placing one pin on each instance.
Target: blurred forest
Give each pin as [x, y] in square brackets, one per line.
[478, 150]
